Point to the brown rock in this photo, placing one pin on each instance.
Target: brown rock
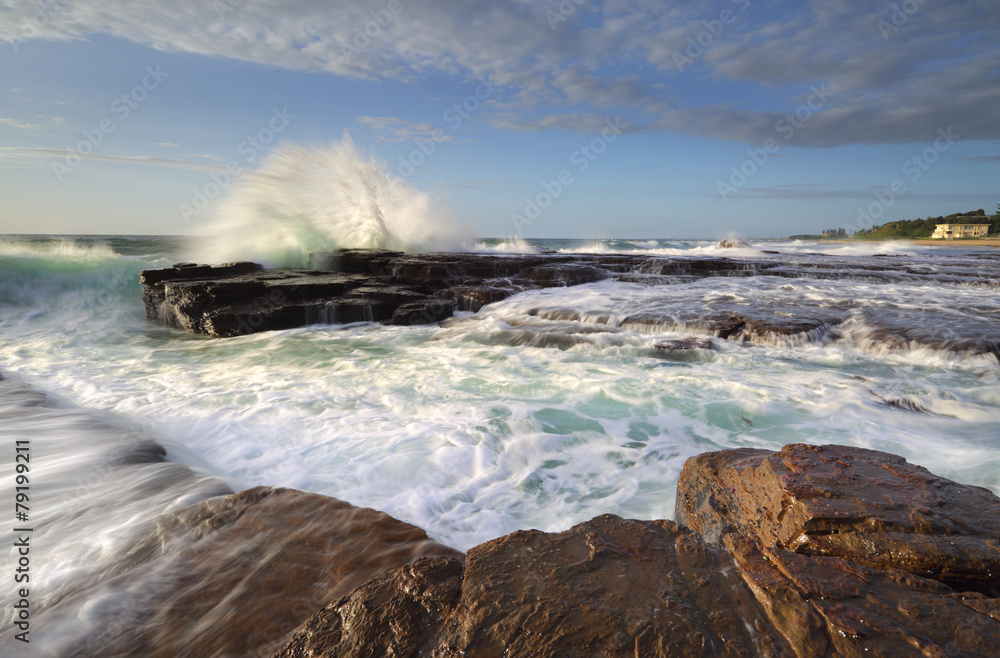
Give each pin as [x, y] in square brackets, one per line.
[235, 575]
[869, 507]
[399, 613]
[828, 606]
[608, 587]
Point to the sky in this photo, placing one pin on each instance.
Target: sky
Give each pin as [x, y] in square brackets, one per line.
[560, 118]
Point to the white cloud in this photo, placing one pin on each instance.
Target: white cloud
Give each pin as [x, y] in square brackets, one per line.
[11, 154]
[394, 129]
[936, 68]
[21, 125]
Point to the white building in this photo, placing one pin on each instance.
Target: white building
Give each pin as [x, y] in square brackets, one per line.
[952, 231]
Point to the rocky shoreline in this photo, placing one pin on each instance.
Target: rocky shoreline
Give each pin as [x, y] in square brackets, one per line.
[808, 551]
[408, 289]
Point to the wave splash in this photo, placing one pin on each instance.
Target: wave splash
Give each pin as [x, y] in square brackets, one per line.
[305, 199]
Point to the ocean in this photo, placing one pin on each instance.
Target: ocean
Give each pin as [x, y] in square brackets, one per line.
[512, 418]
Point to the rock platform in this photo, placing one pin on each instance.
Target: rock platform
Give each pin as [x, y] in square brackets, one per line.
[389, 287]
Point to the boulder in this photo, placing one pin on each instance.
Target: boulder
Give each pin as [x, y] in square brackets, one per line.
[869, 507]
[829, 606]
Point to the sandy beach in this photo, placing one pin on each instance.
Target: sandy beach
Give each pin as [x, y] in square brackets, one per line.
[988, 242]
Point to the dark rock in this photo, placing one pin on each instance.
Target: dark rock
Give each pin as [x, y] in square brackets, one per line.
[473, 298]
[355, 285]
[192, 271]
[400, 613]
[907, 328]
[572, 274]
[692, 348]
[685, 344]
[608, 587]
[869, 507]
[904, 404]
[425, 312]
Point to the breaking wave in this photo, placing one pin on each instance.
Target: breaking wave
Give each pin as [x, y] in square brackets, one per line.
[305, 199]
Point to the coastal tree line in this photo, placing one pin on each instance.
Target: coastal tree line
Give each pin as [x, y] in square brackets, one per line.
[912, 228]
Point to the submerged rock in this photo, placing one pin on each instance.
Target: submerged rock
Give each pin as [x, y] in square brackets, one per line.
[685, 344]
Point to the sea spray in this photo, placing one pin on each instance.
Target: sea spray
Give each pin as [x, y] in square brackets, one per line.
[305, 199]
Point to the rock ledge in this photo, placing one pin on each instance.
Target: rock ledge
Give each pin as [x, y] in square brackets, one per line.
[811, 551]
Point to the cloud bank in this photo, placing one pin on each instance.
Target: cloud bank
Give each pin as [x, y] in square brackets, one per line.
[725, 70]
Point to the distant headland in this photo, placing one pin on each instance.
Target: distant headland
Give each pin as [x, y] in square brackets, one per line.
[987, 230]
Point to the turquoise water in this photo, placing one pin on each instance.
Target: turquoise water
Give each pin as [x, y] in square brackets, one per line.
[500, 422]
[540, 411]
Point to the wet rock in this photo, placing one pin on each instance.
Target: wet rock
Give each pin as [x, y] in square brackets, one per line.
[473, 298]
[692, 348]
[781, 325]
[400, 613]
[869, 507]
[355, 285]
[829, 606]
[235, 575]
[425, 312]
[608, 587]
[182, 271]
[689, 343]
[573, 274]
[906, 329]
[903, 404]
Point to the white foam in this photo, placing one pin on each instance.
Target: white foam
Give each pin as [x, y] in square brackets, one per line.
[305, 199]
[515, 245]
[508, 420]
[63, 248]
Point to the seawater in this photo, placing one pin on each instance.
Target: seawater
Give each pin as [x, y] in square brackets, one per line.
[540, 411]
[506, 422]
[498, 421]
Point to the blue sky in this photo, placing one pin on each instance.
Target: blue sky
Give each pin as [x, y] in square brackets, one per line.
[113, 113]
